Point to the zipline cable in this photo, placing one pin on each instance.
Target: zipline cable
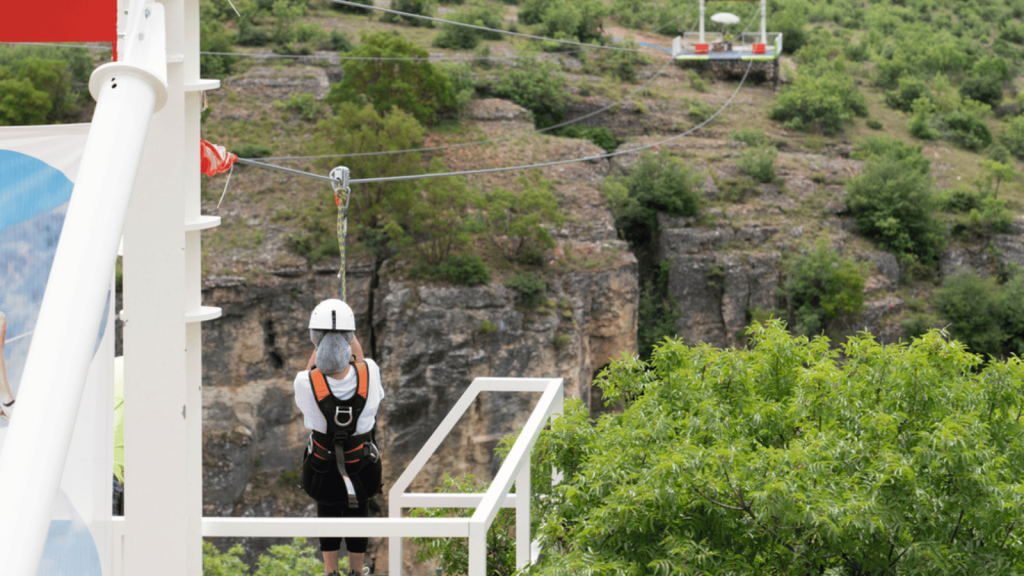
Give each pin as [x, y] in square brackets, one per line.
[482, 142]
[484, 28]
[508, 168]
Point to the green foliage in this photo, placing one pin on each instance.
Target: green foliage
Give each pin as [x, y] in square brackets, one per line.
[892, 201]
[964, 129]
[21, 104]
[538, 86]
[421, 7]
[781, 459]
[462, 270]
[37, 84]
[759, 163]
[657, 183]
[461, 37]
[376, 210]
[749, 136]
[418, 87]
[821, 287]
[823, 98]
[305, 106]
[618, 64]
[985, 315]
[529, 287]
[791, 23]
[353, 9]
[437, 220]
[452, 554]
[339, 42]
[697, 82]
[295, 559]
[987, 89]
[1012, 137]
[228, 563]
[599, 135]
[578, 20]
[657, 312]
[213, 37]
[874, 124]
[737, 189]
[910, 89]
[515, 221]
[253, 151]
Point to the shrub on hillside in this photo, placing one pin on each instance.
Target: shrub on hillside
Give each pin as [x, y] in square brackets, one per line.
[910, 88]
[420, 7]
[417, 87]
[463, 270]
[599, 135]
[539, 87]
[353, 9]
[985, 315]
[657, 183]
[1012, 137]
[578, 20]
[824, 99]
[963, 129]
[892, 201]
[464, 38]
[821, 287]
[780, 458]
[529, 287]
[516, 221]
[759, 163]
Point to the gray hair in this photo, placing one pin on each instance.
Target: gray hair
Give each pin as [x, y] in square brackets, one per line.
[333, 349]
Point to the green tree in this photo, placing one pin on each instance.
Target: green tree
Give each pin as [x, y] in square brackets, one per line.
[973, 306]
[996, 172]
[579, 20]
[421, 7]
[452, 554]
[780, 459]
[376, 209]
[418, 87]
[516, 221]
[21, 104]
[822, 287]
[892, 201]
[437, 220]
[538, 86]
[824, 97]
[657, 183]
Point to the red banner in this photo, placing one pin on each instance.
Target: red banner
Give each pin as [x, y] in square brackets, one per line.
[59, 21]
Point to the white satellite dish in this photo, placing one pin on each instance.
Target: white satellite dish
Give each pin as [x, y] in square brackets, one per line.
[725, 18]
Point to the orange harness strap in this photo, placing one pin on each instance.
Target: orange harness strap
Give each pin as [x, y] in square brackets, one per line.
[363, 378]
[319, 384]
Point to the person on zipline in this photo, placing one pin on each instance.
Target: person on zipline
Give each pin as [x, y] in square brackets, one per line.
[6, 397]
[339, 394]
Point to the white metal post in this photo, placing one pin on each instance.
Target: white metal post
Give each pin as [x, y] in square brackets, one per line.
[161, 518]
[523, 497]
[73, 303]
[702, 21]
[764, 23]
[478, 548]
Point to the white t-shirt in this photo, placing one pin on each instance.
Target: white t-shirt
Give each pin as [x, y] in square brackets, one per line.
[343, 389]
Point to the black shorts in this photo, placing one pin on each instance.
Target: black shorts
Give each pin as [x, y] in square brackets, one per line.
[356, 545]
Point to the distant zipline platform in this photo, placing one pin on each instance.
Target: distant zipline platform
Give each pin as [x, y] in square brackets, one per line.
[723, 49]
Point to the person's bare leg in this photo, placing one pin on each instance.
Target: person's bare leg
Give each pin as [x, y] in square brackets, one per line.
[330, 562]
[355, 562]
[6, 397]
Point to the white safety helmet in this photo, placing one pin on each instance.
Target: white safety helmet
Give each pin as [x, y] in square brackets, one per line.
[332, 314]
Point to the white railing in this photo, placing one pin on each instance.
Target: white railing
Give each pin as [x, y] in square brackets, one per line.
[515, 469]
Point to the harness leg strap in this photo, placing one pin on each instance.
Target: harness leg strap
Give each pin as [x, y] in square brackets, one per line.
[339, 450]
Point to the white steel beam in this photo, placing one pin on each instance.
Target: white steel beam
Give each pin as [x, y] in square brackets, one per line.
[336, 527]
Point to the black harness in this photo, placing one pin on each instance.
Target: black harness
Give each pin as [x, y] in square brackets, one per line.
[340, 438]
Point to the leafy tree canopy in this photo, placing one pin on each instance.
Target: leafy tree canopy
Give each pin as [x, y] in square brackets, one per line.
[418, 87]
[778, 459]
